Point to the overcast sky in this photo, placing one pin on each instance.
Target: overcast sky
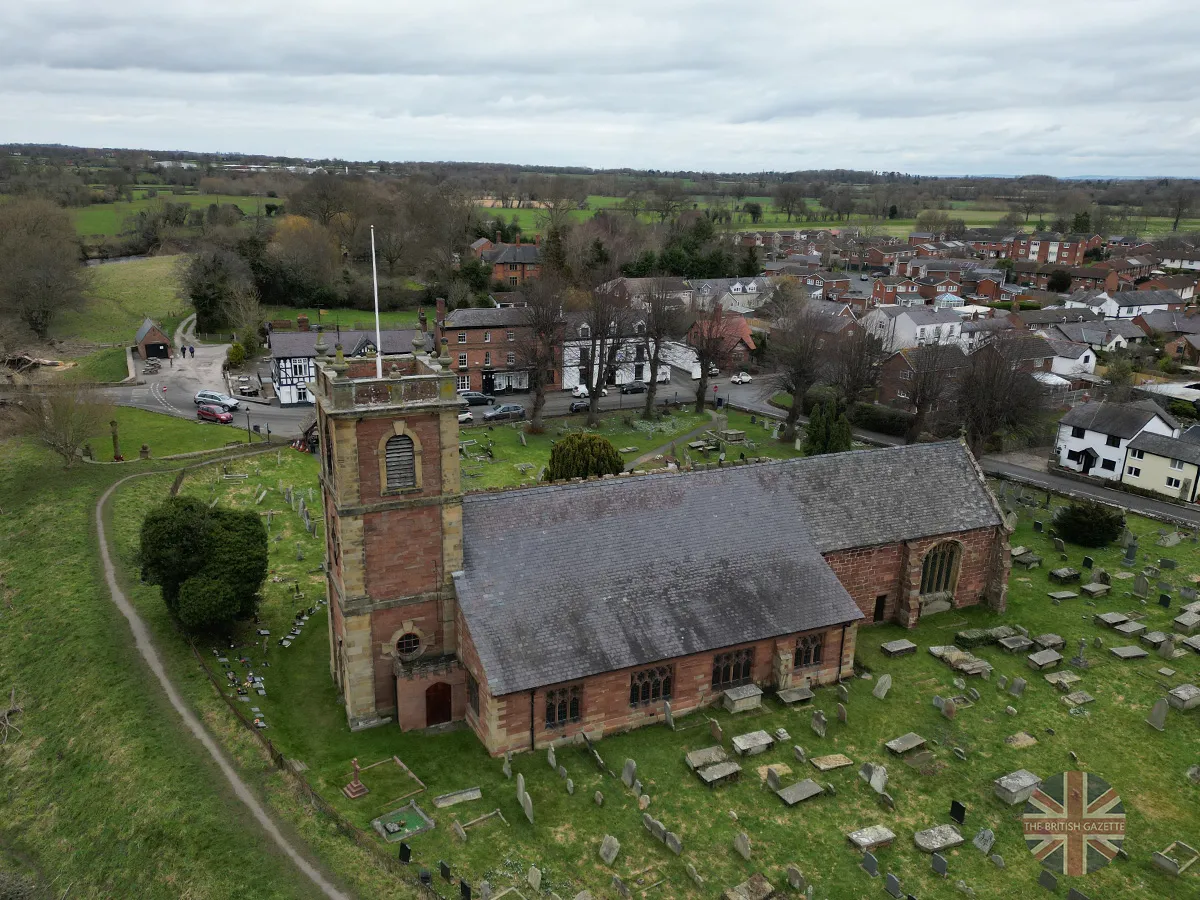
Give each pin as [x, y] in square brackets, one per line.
[949, 87]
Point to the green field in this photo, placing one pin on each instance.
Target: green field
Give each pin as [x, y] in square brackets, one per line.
[120, 296]
[166, 435]
[101, 366]
[348, 318]
[108, 219]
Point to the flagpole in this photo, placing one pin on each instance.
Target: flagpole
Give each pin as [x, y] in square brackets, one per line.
[375, 285]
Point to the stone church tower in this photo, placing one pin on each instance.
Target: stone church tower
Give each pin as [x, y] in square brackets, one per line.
[393, 526]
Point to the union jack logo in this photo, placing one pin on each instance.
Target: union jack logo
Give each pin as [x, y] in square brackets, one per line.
[1074, 823]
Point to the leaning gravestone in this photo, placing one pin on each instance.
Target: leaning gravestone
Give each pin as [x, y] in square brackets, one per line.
[870, 864]
[1158, 715]
[891, 884]
[882, 686]
[674, 844]
[696, 877]
[949, 709]
[818, 723]
[1048, 881]
[527, 807]
[741, 843]
[550, 758]
[619, 886]
[798, 752]
[668, 717]
[773, 778]
[714, 728]
[843, 693]
[520, 786]
[629, 773]
[1017, 688]
[841, 713]
[609, 848]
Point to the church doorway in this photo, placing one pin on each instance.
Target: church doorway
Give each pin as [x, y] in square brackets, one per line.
[437, 704]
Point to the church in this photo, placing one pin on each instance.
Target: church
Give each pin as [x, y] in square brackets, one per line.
[535, 614]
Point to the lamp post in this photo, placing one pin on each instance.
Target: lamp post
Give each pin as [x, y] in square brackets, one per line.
[249, 436]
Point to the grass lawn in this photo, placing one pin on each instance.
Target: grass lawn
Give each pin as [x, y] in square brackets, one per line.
[1109, 736]
[105, 794]
[109, 218]
[166, 435]
[101, 366]
[348, 318]
[508, 454]
[120, 296]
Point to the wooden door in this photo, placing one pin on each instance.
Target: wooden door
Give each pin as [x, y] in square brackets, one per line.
[437, 704]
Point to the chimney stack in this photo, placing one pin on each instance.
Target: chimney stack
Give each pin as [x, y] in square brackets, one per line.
[302, 323]
[498, 237]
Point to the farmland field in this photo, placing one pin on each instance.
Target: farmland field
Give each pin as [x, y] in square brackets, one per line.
[108, 219]
[120, 296]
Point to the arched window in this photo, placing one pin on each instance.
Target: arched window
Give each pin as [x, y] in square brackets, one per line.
[649, 685]
[939, 571]
[401, 464]
[808, 650]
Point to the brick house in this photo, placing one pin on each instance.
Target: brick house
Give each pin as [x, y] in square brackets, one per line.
[826, 284]
[1183, 285]
[445, 607]
[1082, 277]
[152, 341]
[894, 289]
[898, 370]
[1049, 247]
[512, 264]
[737, 342]
[1180, 333]
[484, 346]
[936, 288]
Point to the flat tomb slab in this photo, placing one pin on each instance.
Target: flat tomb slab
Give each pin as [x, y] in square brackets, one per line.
[898, 648]
[1016, 787]
[1027, 560]
[833, 761]
[871, 837]
[788, 696]
[1062, 679]
[799, 792]
[940, 837]
[905, 742]
[1192, 643]
[753, 743]
[1096, 589]
[1130, 629]
[718, 773]
[1078, 698]
[1064, 575]
[743, 698]
[1188, 623]
[1044, 659]
[1062, 595]
[1018, 643]
[756, 888]
[1129, 652]
[1184, 697]
[1152, 639]
[709, 756]
[457, 797]
[1049, 641]
[1110, 619]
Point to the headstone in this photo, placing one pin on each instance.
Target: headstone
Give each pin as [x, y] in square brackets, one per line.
[985, 840]
[696, 877]
[938, 862]
[960, 753]
[882, 686]
[609, 848]
[644, 802]
[562, 771]
[1010, 710]
[459, 831]
[796, 878]
[674, 844]
[938, 838]
[520, 786]
[841, 713]
[405, 853]
[997, 860]
[773, 778]
[741, 843]
[973, 694]
[629, 773]
[949, 709]
[938, 701]
[843, 693]
[1158, 715]
[870, 864]
[637, 787]
[527, 806]
[570, 786]
[1141, 586]
[1088, 562]
[1037, 526]
[714, 728]
[551, 758]
[534, 877]
[444, 868]
[1017, 688]
[891, 884]
[818, 723]
[798, 752]
[667, 715]
[506, 769]
[599, 798]
[1076, 894]
[619, 886]
[485, 890]
[958, 812]
[960, 683]
[1002, 682]
[887, 800]
[1047, 880]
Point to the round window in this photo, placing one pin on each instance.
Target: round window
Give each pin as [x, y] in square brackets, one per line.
[408, 645]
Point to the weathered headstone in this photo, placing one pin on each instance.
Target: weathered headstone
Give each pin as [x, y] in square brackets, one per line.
[997, 860]
[773, 778]
[637, 787]
[714, 728]
[551, 758]
[459, 831]
[506, 769]
[1017, 688]
[1158, 715]
[674, 844]
[843, 693]
[882, 686]
[870, 864]
[1088, 562]
[562, 771]
[938, 863]
[841, 713]
[644, 802]
[629, 773]
[741, 843]
[1002, 682]
[938, 701]
[796, 878]
[1076, 894]
[798, 752]
[570, 786]
[696, 877]
[520, 787]
[609, 848]
[985, 840]
[949, 709]
[619, 886]
[818, 723]
[668, 717]
[599, 798]
[534, 877]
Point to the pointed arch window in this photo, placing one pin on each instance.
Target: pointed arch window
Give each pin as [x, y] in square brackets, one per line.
[939, 571]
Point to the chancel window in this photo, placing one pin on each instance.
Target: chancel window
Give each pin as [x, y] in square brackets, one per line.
[400, 463]
[939, 569]
[650, 685]
[733, 668]
[563, 705]
[808, 650]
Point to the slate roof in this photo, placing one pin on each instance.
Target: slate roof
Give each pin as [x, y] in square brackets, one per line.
[1059, 314]
[1122, 420]
[921, 315]
[1068, 349]
[1172, 322]
[1146, 298]
[295, 344]
[529, 254]
[565, 581]
[483, 317]
[1100, 332]
[1167, 447]
[145, 330]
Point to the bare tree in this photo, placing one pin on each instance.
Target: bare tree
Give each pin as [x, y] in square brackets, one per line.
[795, 358]
[789, 198]
[996, 392]
[65, 420]
[708, 337]
[40, 269]
[853, 359]
[1180, 202]
[934, 367]
[662, 318]
[244, 313]
[540, 343]
[668, 199]
[606, 319]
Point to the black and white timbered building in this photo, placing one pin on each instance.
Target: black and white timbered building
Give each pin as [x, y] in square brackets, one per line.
[293, 352]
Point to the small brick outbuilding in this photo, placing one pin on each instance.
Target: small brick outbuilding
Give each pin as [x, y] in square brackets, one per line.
[152, 342]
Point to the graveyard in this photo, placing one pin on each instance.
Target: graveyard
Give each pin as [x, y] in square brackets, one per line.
[770, 795]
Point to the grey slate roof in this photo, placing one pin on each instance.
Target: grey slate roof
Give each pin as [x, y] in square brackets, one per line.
[482, 317]
[1146, 298]
[529, 254]
[565, 581]
[1172, 322]
[144, 330]
[1122, 420]
[289, 344]
[1167, 447]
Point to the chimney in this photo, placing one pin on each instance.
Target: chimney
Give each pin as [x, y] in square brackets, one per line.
[302, 323]
[518, 240]
[498, 235]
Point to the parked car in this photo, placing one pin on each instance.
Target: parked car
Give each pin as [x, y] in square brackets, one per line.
[579, 406]
[741, 378]
[209, 413]
[504, 411]
[465, 418]
[475, 398]
[634, 387]
[580, 390]
[216, 398]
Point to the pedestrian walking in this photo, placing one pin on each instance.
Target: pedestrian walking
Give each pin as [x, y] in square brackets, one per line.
[192, 351]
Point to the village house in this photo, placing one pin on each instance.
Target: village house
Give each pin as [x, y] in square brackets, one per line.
[750, 293]
[940, 291]
[1072, 360]
[899, 327]
[1083, 278]
[485, 348]
[626, 354]
[826, 284]
[1128, 268]
[1093, 438]
[1050, 247]
[449, 607]
[898, 371]
[737, 340]
[1165, 465]
[1033, 319]
[512, 264]
[1180, 333]
[976, 332]
[293, 355]
[1126, 304]
[1107, 335]
[1181, 255]
[888, 290]
[1183, 285]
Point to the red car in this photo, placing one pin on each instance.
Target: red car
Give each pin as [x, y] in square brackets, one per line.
[214, 414]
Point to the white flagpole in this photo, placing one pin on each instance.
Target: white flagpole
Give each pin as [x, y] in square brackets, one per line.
[375, 284]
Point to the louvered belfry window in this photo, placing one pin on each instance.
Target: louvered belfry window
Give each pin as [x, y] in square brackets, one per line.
[401, 463]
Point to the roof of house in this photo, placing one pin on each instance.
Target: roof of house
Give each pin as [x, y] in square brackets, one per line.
[294, 344]
[980, 326]
[145, 330]
[1171, 322]
[921, 315]
[480, 242]
[1054, 315]
[1101, 332]
[1168, 447]
[487, 317]
[1122, 420]
[1068, 349]
[546, 603]
[943, 356]
[1146, 298]
[513, 253]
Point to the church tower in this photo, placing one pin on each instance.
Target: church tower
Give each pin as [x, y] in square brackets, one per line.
[393, 527]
